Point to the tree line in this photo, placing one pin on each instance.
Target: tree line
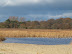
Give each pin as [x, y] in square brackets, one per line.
[15, 22]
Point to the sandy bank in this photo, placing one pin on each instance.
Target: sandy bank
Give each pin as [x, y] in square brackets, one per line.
[13, 48]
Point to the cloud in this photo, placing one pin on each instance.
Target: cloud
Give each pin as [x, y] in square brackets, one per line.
[22, 2]
[28, 2]
[48, 16]
[40, 16]
[61, 15]
[38, 4]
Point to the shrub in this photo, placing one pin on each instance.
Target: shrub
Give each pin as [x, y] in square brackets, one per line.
[2, 38]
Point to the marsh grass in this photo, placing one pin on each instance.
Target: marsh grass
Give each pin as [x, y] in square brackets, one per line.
[35, 33]
[2, 38]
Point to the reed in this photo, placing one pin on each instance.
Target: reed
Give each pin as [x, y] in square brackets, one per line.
[35, 33]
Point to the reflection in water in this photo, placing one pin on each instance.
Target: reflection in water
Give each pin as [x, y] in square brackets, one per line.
[41, 41]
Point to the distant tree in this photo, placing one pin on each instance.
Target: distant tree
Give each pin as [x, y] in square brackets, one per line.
[42, 24]
[35, 24]
[50, 23]
[2, 25]
[15, 22]
[22, 19]
[55, 26]
[22, 25]
[60, 20]
[13, 18]
[7, 22]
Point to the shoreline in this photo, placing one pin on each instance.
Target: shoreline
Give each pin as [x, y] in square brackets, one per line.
[16, 48]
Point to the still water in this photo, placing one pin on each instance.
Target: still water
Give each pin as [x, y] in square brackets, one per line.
[39, 41]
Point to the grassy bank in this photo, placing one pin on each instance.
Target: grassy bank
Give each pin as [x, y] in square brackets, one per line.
[35, 33]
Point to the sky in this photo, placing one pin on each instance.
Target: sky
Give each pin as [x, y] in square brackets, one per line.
[35, 9]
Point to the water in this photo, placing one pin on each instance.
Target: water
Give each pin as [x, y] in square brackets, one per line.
[40, 41]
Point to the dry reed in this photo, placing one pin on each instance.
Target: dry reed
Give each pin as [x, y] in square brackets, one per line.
[35, 33]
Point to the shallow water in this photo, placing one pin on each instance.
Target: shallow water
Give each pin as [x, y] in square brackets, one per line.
[40, 41]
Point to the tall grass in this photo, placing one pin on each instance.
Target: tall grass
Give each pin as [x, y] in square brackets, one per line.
[35, 33]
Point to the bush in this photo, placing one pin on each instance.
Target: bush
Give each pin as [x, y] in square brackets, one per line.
[2, 39]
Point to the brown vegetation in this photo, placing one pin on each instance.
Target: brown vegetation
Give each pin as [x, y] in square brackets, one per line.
[36, 33]
[2, 38]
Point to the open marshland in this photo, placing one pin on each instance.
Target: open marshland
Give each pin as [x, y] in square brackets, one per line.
[16, 48]
[35, 33]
